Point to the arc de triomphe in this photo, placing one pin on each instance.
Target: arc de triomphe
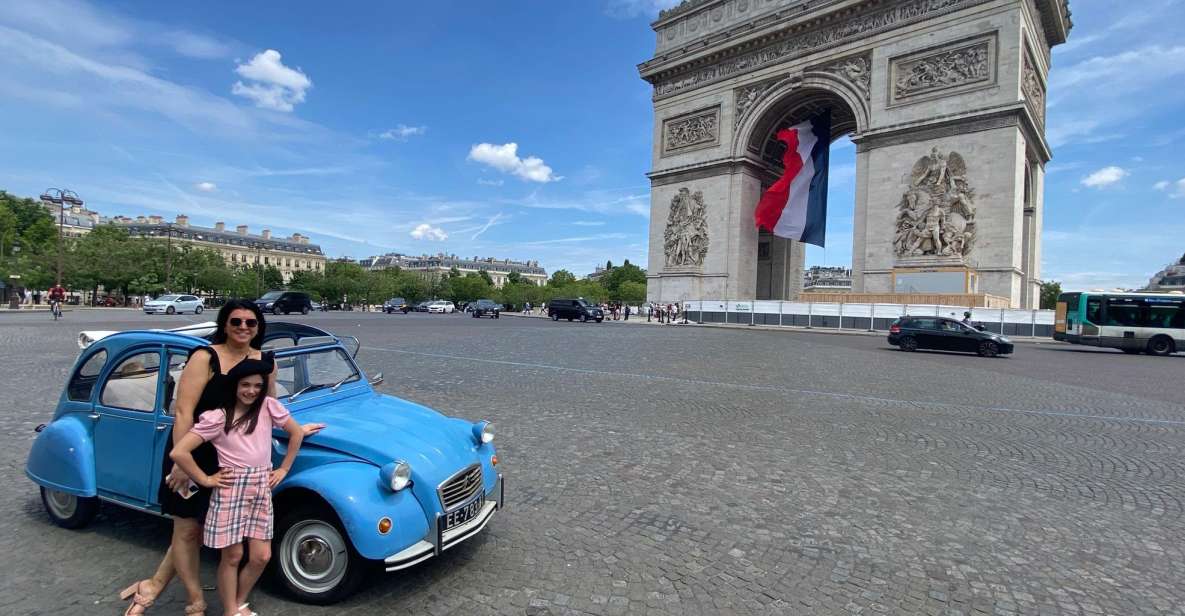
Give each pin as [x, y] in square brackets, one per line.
[944, 100]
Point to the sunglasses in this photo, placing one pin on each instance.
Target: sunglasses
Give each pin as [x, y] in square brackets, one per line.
[237, 322]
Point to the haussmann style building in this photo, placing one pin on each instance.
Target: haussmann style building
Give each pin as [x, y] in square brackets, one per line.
[435, 266]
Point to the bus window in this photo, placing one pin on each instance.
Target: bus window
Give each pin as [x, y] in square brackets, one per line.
[1094, 307]
[1124, 315]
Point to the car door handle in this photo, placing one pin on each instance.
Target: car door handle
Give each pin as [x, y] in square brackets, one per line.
[94, 416]
[162, 428]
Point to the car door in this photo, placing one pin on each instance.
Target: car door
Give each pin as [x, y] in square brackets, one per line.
[923, 330]
[126, 428]
[965, 338]
[948, 335]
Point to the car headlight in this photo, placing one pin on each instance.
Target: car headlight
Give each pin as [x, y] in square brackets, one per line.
[483, 431]
[395, 475]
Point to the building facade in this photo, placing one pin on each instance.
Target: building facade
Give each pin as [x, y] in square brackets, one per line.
[1171, 278]
[434, 266]
[76, 220]
[820, 279]
[238, 247]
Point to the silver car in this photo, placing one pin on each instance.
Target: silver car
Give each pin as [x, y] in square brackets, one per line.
[174, 304]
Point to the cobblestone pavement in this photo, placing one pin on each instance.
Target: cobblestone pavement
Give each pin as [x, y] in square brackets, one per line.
[682, 470]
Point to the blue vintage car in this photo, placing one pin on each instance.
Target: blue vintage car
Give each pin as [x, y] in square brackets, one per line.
[388, 483]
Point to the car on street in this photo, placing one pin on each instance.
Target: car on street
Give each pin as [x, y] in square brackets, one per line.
[285, 302]
[174, 304]
[911, 333]
[396, 304]
[484, 308]
[441, 307]
[422, 306]
[387, 484]
[571, 309]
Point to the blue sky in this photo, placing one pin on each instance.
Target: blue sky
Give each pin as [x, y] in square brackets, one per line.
[506, 129]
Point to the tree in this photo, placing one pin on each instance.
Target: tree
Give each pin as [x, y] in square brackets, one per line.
[514, 278]
[486, 277]
[614, 278]
[631, 292]
[1049, 292]
[468, 288]
[561, 277]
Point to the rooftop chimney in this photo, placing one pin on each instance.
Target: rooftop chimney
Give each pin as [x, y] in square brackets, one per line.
[220, 226]
[267, 234]
[156, 220]
[183, 220]
[242, 229]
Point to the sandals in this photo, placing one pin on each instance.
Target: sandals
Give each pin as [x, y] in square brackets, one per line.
[196, 609]
[141, 601]
[242, 607]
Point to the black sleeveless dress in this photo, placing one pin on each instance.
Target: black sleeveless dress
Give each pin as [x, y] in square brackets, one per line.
[219, 392]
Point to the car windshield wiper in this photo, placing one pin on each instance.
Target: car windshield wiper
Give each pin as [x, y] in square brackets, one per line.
[341, 382]
[307, 388]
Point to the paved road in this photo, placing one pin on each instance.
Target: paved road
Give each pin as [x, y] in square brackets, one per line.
[683, 470]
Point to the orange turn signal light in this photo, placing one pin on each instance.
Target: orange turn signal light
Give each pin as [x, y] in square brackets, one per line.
[384, 526]
[494, 460]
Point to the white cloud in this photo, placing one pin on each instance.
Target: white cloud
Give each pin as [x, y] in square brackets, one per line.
[195, 45]
[1176, 190]
[588, 223]
[485, 182]
[489, 223]
[583, 238]
[206, 186]
[402, 132]
[1105, 177]
[505, 158]
[426, 231]
[271, 84]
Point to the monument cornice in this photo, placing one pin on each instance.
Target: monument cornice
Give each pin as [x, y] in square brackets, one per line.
[707, 168]
[1003, 116]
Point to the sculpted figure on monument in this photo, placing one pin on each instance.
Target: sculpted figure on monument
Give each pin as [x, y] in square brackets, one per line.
[685, 241]
[936, 215]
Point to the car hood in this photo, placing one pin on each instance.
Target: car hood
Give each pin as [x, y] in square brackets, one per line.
[380, 428]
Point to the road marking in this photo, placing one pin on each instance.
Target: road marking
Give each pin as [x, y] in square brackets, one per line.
[806, 392]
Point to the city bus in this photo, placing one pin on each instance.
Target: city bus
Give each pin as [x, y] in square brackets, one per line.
[1152, 323]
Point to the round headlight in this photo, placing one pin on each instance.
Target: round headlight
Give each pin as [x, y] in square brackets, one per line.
[396, 475]
[483, 431]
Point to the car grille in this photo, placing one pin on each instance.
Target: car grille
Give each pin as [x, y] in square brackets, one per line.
[460, 487]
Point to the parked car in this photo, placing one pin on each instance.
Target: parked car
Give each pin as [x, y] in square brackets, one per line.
[388, 483]
[441, 307]
[484, 308]
[574, 309]
[174, 304]
[315, 306]
[396, 304]
[285, 302]
[422, 306]
[911, 333]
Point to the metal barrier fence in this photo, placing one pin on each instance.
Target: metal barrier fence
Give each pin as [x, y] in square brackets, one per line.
[863, 317]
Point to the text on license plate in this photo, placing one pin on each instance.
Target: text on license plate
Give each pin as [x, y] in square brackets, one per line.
[464, 514]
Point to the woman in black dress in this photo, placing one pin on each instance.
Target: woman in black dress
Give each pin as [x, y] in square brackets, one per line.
[239, 335]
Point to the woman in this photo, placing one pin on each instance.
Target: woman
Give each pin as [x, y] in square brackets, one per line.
[239, 335]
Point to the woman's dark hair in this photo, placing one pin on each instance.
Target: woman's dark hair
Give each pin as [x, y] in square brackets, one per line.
[224, 315]
[251, 417]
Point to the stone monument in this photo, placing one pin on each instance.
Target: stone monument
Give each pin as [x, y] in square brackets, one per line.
[944, 99]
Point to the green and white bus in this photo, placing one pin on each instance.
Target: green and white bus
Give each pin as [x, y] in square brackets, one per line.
[1152, 323]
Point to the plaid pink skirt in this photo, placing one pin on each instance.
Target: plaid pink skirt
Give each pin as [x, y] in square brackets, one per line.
[242, 510]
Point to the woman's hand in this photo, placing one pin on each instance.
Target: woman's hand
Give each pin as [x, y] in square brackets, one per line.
[177, 479]
[278, 475]
[221, 479]
[312, 428]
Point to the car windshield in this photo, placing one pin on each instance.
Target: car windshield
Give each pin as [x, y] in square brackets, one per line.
[302, 373]
[272, 295]
[167, 298]
[583, 303]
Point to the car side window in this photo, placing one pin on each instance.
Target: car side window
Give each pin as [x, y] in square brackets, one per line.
[286, 375]
[927, 324]
[132, 384]
[279, 343]
[83, 384]
[177, 361]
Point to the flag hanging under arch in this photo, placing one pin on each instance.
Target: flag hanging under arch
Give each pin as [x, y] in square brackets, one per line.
[795, 207]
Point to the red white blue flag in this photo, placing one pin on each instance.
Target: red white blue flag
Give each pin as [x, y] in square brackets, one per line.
[795, 207]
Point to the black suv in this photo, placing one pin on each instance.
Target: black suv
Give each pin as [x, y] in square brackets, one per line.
[396, 304]
[940, 333]
[574, 309]
[484, 308]
[284, 302]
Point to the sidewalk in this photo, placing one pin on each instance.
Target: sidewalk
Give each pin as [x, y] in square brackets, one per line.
[776, 328]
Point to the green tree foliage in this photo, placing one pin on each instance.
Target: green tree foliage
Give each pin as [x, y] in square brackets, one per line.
[631, 292]
[468, 288]
[561, 277]
[486, 277]
[614, 278]
[1049, 292]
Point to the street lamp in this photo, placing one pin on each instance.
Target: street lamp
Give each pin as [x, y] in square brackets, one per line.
[61, 198]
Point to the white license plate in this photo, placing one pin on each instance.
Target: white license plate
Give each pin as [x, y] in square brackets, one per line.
[467, 512]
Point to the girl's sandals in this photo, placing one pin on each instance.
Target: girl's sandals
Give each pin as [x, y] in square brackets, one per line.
[248, 612]
[141, 599]
[196, 609]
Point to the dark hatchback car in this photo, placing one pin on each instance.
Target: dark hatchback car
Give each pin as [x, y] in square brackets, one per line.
[574, 309]
[942, 334]
[396, 304]
[484, 308]
[284, 302]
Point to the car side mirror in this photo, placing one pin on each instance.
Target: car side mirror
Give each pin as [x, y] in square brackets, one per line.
[376, 379]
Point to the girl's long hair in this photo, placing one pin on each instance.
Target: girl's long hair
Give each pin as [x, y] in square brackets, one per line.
[251, 417]
[224, 316]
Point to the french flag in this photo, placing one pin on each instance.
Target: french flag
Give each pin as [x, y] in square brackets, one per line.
[795, 207]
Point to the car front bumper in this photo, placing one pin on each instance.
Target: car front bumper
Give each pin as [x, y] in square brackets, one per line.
[438, 540]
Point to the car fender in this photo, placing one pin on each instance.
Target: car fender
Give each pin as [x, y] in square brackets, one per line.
[360, 501]
[63, 456]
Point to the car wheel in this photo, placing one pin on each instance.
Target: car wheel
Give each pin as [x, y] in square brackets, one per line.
[987, 348]
[304, 310]
[170, 310]
[908, 343]
[67, 510]
[198, 310]
[1161, 346]
[584, 318]
[555, 317]
[275, 310]
[313, 558]
[599, 320]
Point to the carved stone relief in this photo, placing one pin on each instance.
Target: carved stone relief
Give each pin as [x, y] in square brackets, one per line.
[856, 70]
[936, 215]
[802, 41]
[685, 241]
[745, 97]
[696, 129]
[968, 64]
[1033, 88]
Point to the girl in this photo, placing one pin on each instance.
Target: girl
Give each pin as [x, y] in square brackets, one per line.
[241, 506]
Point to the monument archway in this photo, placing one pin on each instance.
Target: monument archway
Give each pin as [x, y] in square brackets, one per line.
[944, 100]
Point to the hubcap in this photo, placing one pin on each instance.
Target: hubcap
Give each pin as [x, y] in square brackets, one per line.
[314, 556]
[62, 505]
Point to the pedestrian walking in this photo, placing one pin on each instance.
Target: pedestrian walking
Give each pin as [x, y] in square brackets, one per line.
[29, 297]
[627, 312]
[241, 505]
